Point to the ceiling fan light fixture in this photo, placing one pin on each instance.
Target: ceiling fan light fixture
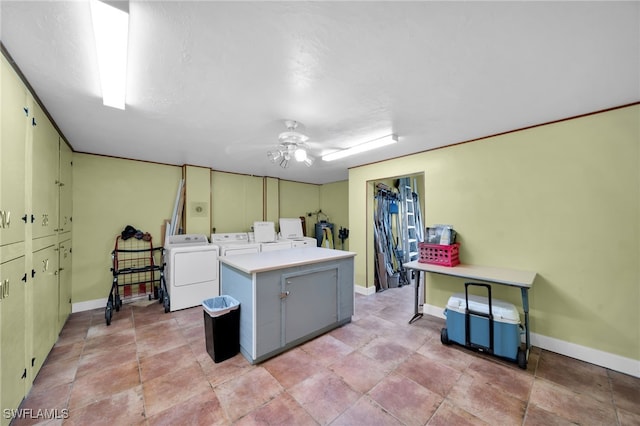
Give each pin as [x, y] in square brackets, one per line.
[274, 156]
[367, 146]
[300, 154]
[309, 161]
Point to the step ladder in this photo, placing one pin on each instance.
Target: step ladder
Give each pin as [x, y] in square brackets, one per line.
[410, 230]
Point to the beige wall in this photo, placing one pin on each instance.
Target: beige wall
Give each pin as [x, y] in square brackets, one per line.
[297, 199]
[109, 194]
[561, 199]
[334, 202]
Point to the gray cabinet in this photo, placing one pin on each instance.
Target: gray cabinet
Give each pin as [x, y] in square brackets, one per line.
[283, 307]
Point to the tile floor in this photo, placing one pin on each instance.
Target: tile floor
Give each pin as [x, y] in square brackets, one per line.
[152, 368]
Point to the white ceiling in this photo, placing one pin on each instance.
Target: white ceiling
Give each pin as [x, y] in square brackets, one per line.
[210, 82]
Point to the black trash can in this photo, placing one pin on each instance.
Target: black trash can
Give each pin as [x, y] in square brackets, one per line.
[222, 327]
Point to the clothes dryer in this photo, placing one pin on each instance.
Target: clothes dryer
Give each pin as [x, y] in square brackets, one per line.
[191, 270]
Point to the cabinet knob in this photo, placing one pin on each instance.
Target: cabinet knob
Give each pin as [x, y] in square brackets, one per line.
[284, 295]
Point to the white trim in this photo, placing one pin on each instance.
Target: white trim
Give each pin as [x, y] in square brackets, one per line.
[88, 305]
[367, 291]
[593, 356]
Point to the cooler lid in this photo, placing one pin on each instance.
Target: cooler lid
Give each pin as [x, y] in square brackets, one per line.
[291, 228]
[264, 232]
[502, 311]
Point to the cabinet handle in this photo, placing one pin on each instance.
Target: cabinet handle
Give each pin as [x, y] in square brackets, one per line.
[26, 111]
[24, 278]
[1, 290]
[6, 289]
[33, 122]
[284, 294]
[7, 219]
[24, 218]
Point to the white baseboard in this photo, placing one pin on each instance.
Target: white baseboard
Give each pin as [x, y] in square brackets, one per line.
[593, 356]
[367, 291]
[88, 305]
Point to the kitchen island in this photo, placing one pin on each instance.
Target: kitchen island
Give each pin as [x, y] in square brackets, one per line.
[288, 296]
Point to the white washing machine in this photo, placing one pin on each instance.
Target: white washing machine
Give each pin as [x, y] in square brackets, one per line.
[191, 270]
[265, 234]
[234, 243]
[291, 229]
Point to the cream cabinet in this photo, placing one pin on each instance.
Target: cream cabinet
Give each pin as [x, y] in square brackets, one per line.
[64, 283]
[65, 185]
[45, 183]
[35, 237]
[12, 334]
[12, 161]
[44, 306]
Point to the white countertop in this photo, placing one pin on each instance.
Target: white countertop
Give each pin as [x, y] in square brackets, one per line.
[281, 259]
[505, 276]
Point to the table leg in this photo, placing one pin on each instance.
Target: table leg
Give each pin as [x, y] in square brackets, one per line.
[525, 307]
[416, 315]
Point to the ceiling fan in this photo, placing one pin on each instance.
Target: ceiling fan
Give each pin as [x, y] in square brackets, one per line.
[291, 146]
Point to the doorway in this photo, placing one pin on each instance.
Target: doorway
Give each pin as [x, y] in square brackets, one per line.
[396, 206]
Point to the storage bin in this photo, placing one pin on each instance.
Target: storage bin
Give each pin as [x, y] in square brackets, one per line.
[222, 327]
[436, 254]
[506, 325]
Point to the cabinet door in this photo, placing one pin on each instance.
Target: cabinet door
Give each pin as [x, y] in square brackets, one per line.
[45, 161]
[12, 349]
[310, 302]
[45, 304]
[64, 283]
[12, 160]
[66, 206]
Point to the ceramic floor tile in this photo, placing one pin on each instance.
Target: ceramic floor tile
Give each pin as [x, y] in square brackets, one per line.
[571, 405]
[103, 383]
[386, 352]
[56, 373]
[218, 373]
[405, 399]
[510, 378]
[358, 371]
[450, 355]
[109, 342]
[324, 396]
[434, 376]
[352, 335]
[69, 351]
[243, 394]
[53, 398]
[165, 362]
[97, 361]
[126, 407]
[626, 391]
[448, 414]
[282, 410]
[292, 367]
[201, 409]
[366, 412]
[536, 416]
[587, 379]
[161, 341]
[495, 406]
[627, 418]
[172, 388]
[326, 349]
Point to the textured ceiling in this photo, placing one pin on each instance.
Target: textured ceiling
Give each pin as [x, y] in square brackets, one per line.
[210, 83]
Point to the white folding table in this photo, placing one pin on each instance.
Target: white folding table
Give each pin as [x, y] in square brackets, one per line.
[509, 277]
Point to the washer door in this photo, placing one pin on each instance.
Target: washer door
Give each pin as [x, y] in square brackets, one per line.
[194, 267]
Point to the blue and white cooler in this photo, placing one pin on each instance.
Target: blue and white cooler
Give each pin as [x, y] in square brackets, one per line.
[505, 332]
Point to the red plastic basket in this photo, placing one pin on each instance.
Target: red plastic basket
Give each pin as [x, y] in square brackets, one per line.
[437, 254]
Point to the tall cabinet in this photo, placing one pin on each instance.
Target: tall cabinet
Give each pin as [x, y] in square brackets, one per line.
[35, 237]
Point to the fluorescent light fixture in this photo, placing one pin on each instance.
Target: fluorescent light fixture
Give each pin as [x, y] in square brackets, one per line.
[367, 146]
[111, 30]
